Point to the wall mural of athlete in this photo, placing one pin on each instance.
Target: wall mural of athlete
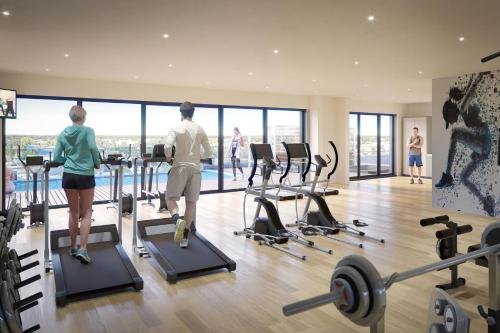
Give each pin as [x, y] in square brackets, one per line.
[471, 142]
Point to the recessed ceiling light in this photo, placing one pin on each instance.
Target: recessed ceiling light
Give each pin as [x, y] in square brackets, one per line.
[371, 18]
[267, 87]
[47, 69]
[6, 13]
[356, 62]
[276, 51]
[314, 80]
[461, 38]
[365, 85]
[409, 89]
[420, 72]
[136, 77]
[170, 65]
[165, 36]
[66, 55]
[250, 73]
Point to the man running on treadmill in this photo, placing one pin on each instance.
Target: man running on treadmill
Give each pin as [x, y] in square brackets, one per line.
[184, 177]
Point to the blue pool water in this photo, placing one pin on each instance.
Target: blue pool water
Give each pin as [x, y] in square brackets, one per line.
[103, 180]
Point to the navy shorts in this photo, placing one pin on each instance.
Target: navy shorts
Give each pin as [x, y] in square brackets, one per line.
[72, 181]
[415, 159]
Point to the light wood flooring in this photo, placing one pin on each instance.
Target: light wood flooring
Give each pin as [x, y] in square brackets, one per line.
[250, 298]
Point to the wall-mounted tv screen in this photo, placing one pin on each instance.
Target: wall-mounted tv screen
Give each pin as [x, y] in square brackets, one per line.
[8, 103]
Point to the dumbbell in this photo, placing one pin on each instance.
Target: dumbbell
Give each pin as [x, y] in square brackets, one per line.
[11, 309]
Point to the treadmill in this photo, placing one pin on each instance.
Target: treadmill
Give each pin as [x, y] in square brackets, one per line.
[157, 237]
[110, 270]
[302, 152]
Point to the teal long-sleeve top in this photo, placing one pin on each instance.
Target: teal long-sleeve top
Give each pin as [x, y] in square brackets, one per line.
[81, 155]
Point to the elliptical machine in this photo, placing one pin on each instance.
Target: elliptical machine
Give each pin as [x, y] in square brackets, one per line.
[322, 222]
[34, 168]
[269, 230]
[446, 246]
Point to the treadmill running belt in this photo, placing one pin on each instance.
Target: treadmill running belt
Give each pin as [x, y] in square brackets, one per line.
[197, 257]
[105, 271]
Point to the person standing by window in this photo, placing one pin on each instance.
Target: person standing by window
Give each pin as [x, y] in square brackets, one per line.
[415, 143]
[235, 145]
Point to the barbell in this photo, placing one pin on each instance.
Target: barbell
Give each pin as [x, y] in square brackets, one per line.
[359, 292]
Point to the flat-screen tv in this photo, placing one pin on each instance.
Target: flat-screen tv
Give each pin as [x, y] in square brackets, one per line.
[8, 103]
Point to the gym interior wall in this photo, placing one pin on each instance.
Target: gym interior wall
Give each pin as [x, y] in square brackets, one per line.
[465, 129]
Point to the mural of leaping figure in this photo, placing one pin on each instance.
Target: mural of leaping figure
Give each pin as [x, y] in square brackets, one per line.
[475, 136]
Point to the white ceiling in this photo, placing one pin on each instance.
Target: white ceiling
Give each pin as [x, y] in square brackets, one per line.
[217, 43]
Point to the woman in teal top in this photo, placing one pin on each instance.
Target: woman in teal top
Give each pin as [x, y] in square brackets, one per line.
[77, 150]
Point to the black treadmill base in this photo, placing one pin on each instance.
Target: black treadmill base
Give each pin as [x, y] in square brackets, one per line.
[175, 263]
[109, 271]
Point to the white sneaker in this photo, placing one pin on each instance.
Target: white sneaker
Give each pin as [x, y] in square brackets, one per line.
[184, 241]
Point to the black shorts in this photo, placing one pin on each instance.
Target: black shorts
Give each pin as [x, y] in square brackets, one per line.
[72, 181]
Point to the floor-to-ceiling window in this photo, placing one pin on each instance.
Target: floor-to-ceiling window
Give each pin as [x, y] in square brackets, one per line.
[371, 145]
[249, 124]
[34, 132]
[284, 126]
[117, 128]
[120, 124]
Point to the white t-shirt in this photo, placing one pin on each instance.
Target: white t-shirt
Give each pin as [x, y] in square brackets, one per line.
[188, 138]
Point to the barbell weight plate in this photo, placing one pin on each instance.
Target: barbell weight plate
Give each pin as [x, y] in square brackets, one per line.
[375, 285]
[491, 235]
[355, 296]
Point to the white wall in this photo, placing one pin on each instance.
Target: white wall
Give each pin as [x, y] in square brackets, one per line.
[28, 84]
[329, 120]
[328, 117]
[418, 110]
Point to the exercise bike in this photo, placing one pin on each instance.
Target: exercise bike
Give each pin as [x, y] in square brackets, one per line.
[269, 230]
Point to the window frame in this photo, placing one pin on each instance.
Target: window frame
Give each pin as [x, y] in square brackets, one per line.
[143, 106]
[358, 143]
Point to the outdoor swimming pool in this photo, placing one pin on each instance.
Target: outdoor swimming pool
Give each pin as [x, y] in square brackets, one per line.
[103, 180]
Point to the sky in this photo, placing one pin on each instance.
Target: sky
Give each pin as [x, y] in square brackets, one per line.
[50, 117]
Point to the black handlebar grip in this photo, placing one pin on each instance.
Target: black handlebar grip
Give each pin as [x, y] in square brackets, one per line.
[464, 229]
[428, 221]
[445, 233]
[442, 218]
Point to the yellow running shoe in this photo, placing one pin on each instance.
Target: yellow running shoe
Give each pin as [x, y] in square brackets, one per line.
[179, 231]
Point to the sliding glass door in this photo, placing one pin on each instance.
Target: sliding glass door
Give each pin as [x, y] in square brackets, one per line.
[371, 145]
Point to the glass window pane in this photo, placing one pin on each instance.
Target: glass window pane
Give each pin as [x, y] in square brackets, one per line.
[237, 158]
[368, 146]
[160, 119]
[284, 126]
[35, 138]
[353, 145]
[116, 126]
[386, 149]
[208, 119]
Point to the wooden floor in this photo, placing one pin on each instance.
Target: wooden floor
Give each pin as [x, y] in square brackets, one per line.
[250, 299]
